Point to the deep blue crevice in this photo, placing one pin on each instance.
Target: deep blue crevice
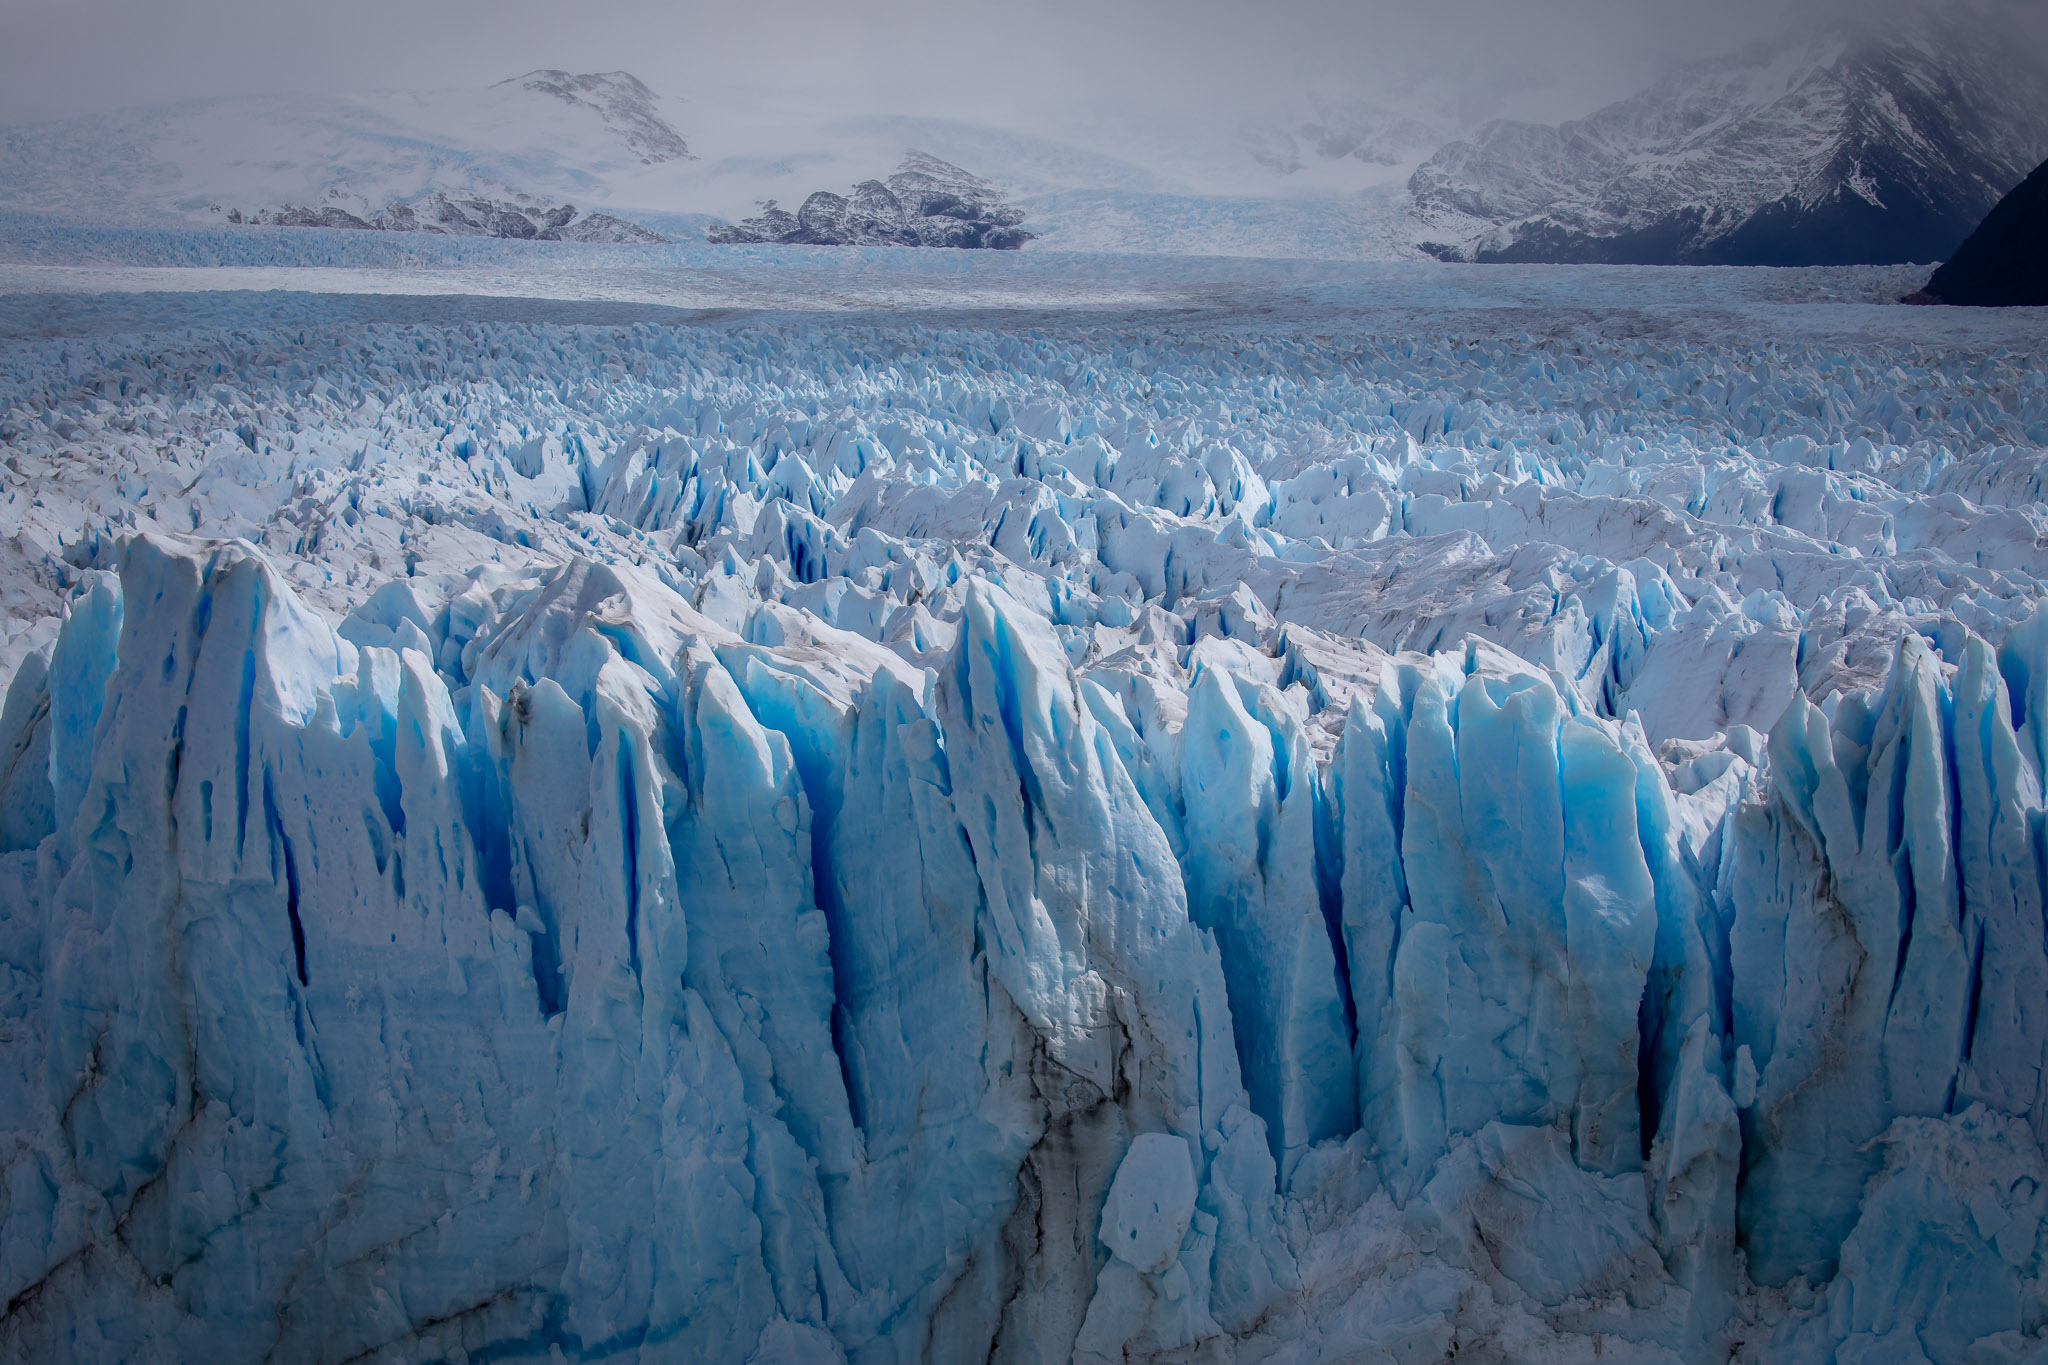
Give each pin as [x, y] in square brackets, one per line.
[244, 704]
[1329, 856]
[1975, 999]
[629, 835]
[291, 878]
[549, 987]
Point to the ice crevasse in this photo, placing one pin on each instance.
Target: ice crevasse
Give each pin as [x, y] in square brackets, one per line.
[628, 986]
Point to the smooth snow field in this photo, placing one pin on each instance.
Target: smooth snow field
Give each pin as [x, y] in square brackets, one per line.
[689, 805]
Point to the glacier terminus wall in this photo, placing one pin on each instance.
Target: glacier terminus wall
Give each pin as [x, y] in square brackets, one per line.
[796, 840]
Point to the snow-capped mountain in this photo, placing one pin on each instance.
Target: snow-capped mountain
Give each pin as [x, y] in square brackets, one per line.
[627, 107]
[540, 140]
[1837, 151]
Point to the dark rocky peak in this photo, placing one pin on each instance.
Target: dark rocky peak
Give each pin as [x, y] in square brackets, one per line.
[627, 107]
[2004, 263]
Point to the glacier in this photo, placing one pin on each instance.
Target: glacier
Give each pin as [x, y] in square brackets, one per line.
[1078, 835]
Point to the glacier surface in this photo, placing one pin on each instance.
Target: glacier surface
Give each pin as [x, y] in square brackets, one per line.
[1357, 834]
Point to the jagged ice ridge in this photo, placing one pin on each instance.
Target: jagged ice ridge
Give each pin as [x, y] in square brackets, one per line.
[805, 842]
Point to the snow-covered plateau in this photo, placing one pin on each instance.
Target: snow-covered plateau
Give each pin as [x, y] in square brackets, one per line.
[883, 806]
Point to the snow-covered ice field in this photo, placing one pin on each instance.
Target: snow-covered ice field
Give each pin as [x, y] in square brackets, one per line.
[690, 804]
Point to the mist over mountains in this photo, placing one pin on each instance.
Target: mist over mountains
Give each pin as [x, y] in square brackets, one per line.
[1858, 146]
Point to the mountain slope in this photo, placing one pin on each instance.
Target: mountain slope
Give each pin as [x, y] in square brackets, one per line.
[627, 107]
[549, 136]
[2004, 263]
[1839, 152]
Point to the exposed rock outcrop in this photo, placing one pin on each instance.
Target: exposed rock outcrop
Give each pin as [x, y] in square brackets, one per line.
[466, 217]
[927, 202]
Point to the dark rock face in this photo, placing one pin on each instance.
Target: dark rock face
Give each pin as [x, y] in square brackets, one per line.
[1846, 152]
[450, 217]
[927, 202]
[291, 215]
[627, 107]
[2004, 263]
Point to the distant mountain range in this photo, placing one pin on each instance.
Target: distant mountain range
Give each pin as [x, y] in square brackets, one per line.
[1841, 151]
[1837, 152]
[511, 160]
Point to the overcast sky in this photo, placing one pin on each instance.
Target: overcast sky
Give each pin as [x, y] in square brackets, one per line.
[1020, 62]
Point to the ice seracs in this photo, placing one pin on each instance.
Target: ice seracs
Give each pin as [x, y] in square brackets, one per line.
[803, 840]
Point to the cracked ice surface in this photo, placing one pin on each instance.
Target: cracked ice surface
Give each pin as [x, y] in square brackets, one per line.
[1078, 837]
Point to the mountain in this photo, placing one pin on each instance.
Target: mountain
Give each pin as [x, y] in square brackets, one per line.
[927, 202]
[1836, 152]
[626, 106]
[2003, 263]
[538, 141]
[1828, 152]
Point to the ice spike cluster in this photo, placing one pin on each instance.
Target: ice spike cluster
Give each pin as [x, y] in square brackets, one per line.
[784, 843]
